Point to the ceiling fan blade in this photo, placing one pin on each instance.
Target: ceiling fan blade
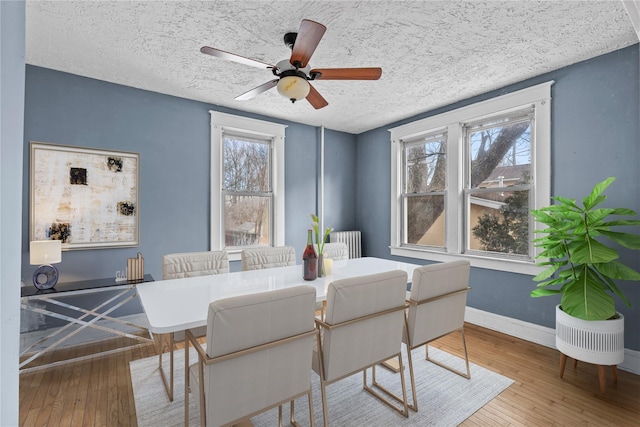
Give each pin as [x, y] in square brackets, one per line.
[315, 99]
[309, 35]
[347, 73]
[258, 90]
[233, 57]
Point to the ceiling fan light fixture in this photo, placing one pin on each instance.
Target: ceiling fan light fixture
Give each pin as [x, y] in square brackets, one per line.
[294, 88]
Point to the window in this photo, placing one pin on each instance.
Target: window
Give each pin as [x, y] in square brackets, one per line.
[247, 183]
[424, 190]
[463, 182]
[498, 184]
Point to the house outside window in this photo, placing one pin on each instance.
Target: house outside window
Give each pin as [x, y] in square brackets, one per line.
[463, 182]
[247, 183]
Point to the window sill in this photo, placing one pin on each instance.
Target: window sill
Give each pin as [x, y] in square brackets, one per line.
[512, 266]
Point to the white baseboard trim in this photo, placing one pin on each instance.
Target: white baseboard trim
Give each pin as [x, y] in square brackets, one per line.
[536, 334]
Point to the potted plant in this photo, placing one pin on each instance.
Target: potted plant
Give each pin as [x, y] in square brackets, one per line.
[582, 268]
[315, 224]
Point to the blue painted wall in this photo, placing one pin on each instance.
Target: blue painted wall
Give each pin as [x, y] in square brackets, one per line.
[172, 136]
[340, 181]
[595, 134]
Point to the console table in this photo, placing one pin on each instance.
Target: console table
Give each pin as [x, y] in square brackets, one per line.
[107, 294]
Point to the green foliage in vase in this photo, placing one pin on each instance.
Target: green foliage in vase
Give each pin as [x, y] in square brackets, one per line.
[579, 262]
[315, 223]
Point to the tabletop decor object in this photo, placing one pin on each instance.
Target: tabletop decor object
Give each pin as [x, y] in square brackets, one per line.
[309, 259]
[315, 223]
[135, 268]
[46, 253]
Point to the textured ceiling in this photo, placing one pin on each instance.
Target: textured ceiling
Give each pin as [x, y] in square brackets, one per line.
[432, 53]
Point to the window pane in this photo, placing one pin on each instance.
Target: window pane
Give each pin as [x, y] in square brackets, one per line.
[500, 155]
[247, 220]
[246, 165]
[425, 220]
[425, 165]
[499, 222]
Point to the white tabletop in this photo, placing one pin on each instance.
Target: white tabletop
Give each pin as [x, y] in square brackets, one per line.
[179, 304]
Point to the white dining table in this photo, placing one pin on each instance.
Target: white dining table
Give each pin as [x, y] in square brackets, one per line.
[179, 304]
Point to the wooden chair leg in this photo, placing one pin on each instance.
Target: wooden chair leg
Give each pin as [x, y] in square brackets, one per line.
[602, 378]
[563, 362]
[575, 363]
[614, 371]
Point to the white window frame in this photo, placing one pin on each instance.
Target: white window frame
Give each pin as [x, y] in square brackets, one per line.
[261, 129]
[453, 121]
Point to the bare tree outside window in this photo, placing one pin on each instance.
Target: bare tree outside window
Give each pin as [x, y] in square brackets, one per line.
[247, 191]
[499, 186]
[425, 183]
[500, 156]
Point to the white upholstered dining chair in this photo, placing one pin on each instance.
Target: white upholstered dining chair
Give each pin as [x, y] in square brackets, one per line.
[363, 326]
[177, 266]
[258, 356]
[191, 264]
[437, 302]
[268, 257]
[336, 251]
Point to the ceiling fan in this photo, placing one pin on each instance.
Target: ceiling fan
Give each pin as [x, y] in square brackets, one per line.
[293, 74]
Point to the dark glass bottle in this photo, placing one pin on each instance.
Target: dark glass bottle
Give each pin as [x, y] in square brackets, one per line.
[310, 260]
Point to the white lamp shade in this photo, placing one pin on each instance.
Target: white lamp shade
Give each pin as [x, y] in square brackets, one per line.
[45, 252]
[293, 87]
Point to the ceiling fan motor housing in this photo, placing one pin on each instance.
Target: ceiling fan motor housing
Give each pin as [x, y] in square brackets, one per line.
[285, 66]
[290, 39]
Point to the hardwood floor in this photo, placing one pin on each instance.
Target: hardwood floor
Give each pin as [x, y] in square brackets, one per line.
[97, 392]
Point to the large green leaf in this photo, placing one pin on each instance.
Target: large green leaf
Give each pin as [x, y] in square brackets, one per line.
[618, 222]
[599, 188]
[617, 270]
[590, 202]
[628, 240]
[586, 299]
[596, 216]
[624, 211]
[539, 292]
[557, 251]
[542, 216]
[614, 288]
[566, 273]
[547, 273]
[551, 282]
[567, 202]
[591, 252]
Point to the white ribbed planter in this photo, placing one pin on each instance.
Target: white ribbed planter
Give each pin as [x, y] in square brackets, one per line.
[600, 342]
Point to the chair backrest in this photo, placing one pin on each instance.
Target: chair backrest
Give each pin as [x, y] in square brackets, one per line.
[245, 384]
[445, 285]
[336, 251]
[351, 347]
[259, 258]
[190, 264]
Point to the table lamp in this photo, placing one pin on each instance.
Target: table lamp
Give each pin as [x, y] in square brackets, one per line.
[45, 253]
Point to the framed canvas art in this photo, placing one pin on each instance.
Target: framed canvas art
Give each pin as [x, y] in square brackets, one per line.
[86, 197]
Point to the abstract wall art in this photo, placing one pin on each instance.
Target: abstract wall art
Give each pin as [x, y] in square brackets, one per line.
[86, 197]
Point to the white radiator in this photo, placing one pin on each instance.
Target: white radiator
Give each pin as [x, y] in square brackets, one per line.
[351, 238]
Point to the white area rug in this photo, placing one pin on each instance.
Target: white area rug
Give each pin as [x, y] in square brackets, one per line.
[444, 398]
